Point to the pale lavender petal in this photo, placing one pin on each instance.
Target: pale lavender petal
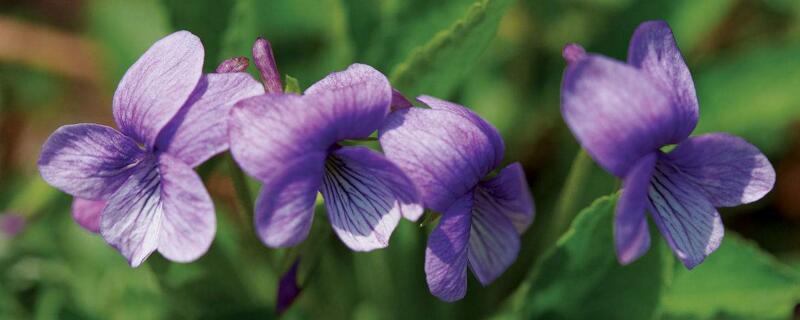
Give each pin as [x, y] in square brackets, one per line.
[131, 222]
[265, 63]
[88, 161]
[235, 64]
[87, 213]
[157, 85]
[616, 112]
[728, 169]
[447, 251]
[266, 132]
[285, 207]
[507, 193]
[444, 152]
[200, 129]
[631, 235]
[365, 196]
[356, 100]
[188, 223]
[653, 50]
[493, 242]
[687, 220]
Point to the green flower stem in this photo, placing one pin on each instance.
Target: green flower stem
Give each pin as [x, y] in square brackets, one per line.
[251, 245]
[242, 190]
[567, 207]
[564, 212]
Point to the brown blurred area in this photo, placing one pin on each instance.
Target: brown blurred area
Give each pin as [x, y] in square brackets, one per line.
[47, 40]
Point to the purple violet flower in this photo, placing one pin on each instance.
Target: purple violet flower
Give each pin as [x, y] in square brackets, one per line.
[291, 144]
[624, 113]
[448, 151]
[171, 118]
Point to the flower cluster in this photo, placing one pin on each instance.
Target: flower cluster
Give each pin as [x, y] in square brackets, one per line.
[136, 186]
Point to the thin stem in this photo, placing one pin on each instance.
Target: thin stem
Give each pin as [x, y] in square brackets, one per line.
[567, 206]
[250, 243]
[565, 210]
[242, 190]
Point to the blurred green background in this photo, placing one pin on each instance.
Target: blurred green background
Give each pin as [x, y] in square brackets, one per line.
[60, 62]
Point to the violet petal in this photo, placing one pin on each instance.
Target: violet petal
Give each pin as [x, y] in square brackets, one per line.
[88, 161]
[446, 254]
[653, 50]
[157, 85]
[131, 222]
[616, 112]
[285, 207]
[200, 129]
[729, 170]
[509, 194]
[269, 130]
[266, 132]
[493, 241]
[631, 234]
[399, 101]
[365, 196]
[356, 100]
[444, 152]
[189, 223]
[87, 213]
[488, 130]
[686, 218]
[288, 289]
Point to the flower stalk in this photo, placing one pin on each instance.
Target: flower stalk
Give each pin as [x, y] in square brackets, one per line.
[567, 207]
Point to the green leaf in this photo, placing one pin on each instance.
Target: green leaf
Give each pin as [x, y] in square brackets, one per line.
[580, 277]
[402, 26]
[737, 281]
[292, 86]
[439, 65]
[753, 95]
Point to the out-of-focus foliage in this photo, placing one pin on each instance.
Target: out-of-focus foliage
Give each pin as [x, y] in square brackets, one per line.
[752, 94]
[442, 62]
[738, 281]
[499, 57]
